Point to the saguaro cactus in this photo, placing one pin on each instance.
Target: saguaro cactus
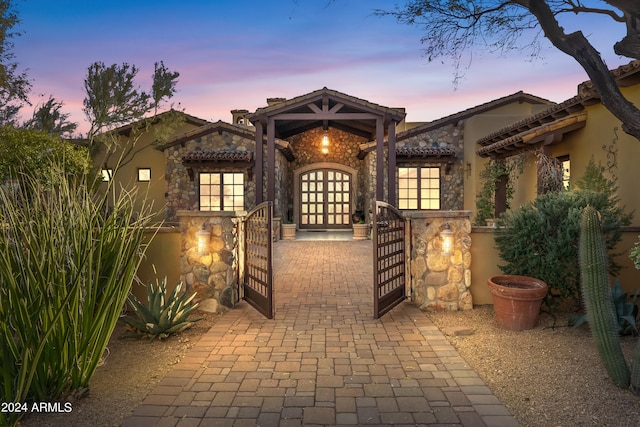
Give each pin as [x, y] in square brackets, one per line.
[597, 297]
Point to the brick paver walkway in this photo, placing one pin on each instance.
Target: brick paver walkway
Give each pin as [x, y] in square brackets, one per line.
[323, 360]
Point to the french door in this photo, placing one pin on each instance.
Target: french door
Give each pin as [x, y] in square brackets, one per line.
[325, 199]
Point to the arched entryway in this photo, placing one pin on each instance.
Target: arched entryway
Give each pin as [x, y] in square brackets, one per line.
[324, 196]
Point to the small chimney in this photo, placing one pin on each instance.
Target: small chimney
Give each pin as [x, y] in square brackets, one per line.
[239, 117]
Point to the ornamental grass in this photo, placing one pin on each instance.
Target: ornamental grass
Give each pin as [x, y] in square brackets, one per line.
[68, 257]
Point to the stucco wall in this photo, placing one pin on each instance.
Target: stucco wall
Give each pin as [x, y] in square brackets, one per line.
[486, 260]
[603, 140]
[479, 126]
[162, 260]
[142, 154]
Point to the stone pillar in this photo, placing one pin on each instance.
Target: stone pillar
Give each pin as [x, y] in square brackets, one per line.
[211, 276]
[440, 282]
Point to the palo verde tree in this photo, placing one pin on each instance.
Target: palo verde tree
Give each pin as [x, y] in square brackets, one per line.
[113, 100]
[457, 28]
[48, 117]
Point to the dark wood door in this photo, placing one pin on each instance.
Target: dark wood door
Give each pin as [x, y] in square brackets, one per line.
[325, 199]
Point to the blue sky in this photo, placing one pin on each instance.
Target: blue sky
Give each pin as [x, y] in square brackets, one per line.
[235, 54]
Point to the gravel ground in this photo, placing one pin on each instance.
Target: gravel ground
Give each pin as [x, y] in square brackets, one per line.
[132, 368]
[547, 376]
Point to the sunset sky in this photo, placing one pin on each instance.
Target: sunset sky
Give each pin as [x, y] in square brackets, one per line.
[235, 54]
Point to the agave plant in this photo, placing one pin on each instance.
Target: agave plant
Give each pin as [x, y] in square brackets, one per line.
[161, 316]
[626, 310]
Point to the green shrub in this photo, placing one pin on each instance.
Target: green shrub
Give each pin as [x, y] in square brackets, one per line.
[30, 150]
[485, 201]
[540, 239]
[65, 271]
[161, 316]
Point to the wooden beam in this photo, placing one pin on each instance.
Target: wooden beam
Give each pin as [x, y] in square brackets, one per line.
[379, 160]
[391, 163]
[271, 160]
[313, 107]
[325, 116]
[259, 167]
[336, 107]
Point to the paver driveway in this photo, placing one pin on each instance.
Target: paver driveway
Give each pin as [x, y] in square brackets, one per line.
[323, 359]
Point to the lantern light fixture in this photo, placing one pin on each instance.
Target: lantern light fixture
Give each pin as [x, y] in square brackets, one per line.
[447, 239]
[203, 238]
[325, 143]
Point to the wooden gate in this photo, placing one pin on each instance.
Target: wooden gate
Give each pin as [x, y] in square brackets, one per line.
[388, 236]
[258, 259]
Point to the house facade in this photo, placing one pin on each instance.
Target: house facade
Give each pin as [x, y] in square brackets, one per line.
[325, 157]
[574, 131]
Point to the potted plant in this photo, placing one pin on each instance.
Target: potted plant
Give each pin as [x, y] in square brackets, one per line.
[540, 239]
[360, 230]
[517, 300]
[289, 230]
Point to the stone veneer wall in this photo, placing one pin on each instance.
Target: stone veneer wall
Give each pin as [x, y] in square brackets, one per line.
[213, 277]
[343, 149]
[452, 184]
[182, 192]
[440, 282]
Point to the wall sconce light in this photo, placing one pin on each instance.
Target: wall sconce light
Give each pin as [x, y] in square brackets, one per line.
[325, 143]
[447, 239]
[203, 237]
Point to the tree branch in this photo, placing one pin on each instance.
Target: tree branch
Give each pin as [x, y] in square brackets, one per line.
[577, 46]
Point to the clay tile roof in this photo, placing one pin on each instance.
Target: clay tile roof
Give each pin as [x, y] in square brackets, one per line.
[554, 112]
[425, 152]
[563, 117]
[470, 112]
[218, 156]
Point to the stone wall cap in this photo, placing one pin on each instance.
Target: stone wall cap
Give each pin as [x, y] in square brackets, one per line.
[163, 229]
[205, 214]
[437, 214]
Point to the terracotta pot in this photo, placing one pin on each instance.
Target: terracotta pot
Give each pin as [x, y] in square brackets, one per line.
[517, 300]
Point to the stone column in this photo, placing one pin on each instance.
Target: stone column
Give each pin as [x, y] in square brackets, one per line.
[212, 276]
[439, 281]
